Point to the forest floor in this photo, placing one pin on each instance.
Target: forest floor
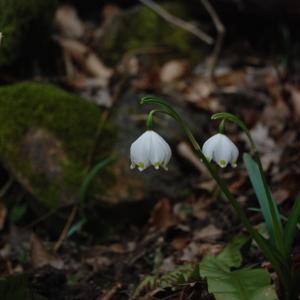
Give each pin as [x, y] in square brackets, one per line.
[176, 231]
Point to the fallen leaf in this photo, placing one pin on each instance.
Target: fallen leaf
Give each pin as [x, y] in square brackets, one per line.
[210, 232]
[173, 70]
[3, 214]
[68, 22]
[270, 152]
[98, 262]
[179, 243]
[162, 217]
[295, 97]
[41, 257]
[86, 58]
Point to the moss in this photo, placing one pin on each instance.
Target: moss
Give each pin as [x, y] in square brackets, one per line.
[46, 136]
[26, 26]
[142, 28]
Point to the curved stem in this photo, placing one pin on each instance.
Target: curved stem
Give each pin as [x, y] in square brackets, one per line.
[168, 109]
[277, 225]
[222, 126]
[271, 253]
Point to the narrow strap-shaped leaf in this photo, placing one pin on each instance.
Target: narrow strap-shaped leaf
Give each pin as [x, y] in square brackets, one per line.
[91, 175]
[291, 226]
[257, 183]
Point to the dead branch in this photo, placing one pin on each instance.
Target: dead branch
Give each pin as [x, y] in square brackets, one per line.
[111, 292]
[203, 36]
[219, 40]
[66, 228]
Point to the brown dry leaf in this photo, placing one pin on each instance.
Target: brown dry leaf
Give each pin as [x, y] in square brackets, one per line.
[191, 252]
[281, 195]
[129, 65]
[266, 145]
[295, 97]
[210, 232]
[3, 214]
[207, 185]
[86, 58]
[118, 248]
[260, 78]
[98, 262]
[199, 89]
[179, 243]
[199, 92]
[226, 77]
[276, 115]
[201, 208]
[173, 70]
[68, 22]
[41, 257]
[210, 249]
[109, 294]
[162, 217]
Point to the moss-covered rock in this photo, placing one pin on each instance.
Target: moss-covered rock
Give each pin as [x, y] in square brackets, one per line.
[25, 25]
[140, 27]
[46, 136]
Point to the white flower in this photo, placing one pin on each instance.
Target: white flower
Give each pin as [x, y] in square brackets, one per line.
[150, 149]
[221, 149]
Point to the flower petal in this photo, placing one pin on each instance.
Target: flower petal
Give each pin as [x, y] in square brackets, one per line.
[150, 148]
[222, 151]
[209, 146]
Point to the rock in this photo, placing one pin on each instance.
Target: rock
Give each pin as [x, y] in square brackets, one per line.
[140, 28]
[26, 27]
[46, 136]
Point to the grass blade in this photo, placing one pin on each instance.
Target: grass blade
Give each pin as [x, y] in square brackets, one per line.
[291, 226]
[257, 183]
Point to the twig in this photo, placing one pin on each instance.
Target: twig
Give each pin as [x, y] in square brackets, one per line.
[111, 292]
[219, 40]
[66, 228]
[103, 119]
[203, 36]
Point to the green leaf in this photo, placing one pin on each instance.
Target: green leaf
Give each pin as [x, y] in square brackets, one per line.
[242, 284]
[291, 226]
[76, 227]
[231, 255]
[258, 185]
[90, 176]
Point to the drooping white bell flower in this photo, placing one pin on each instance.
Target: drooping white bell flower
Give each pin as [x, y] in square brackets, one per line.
[221, 149]
[150, 149]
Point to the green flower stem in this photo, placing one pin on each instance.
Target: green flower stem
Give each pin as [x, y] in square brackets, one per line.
[222, 126]
[278, 231]
[168, 109]
[270, 252]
